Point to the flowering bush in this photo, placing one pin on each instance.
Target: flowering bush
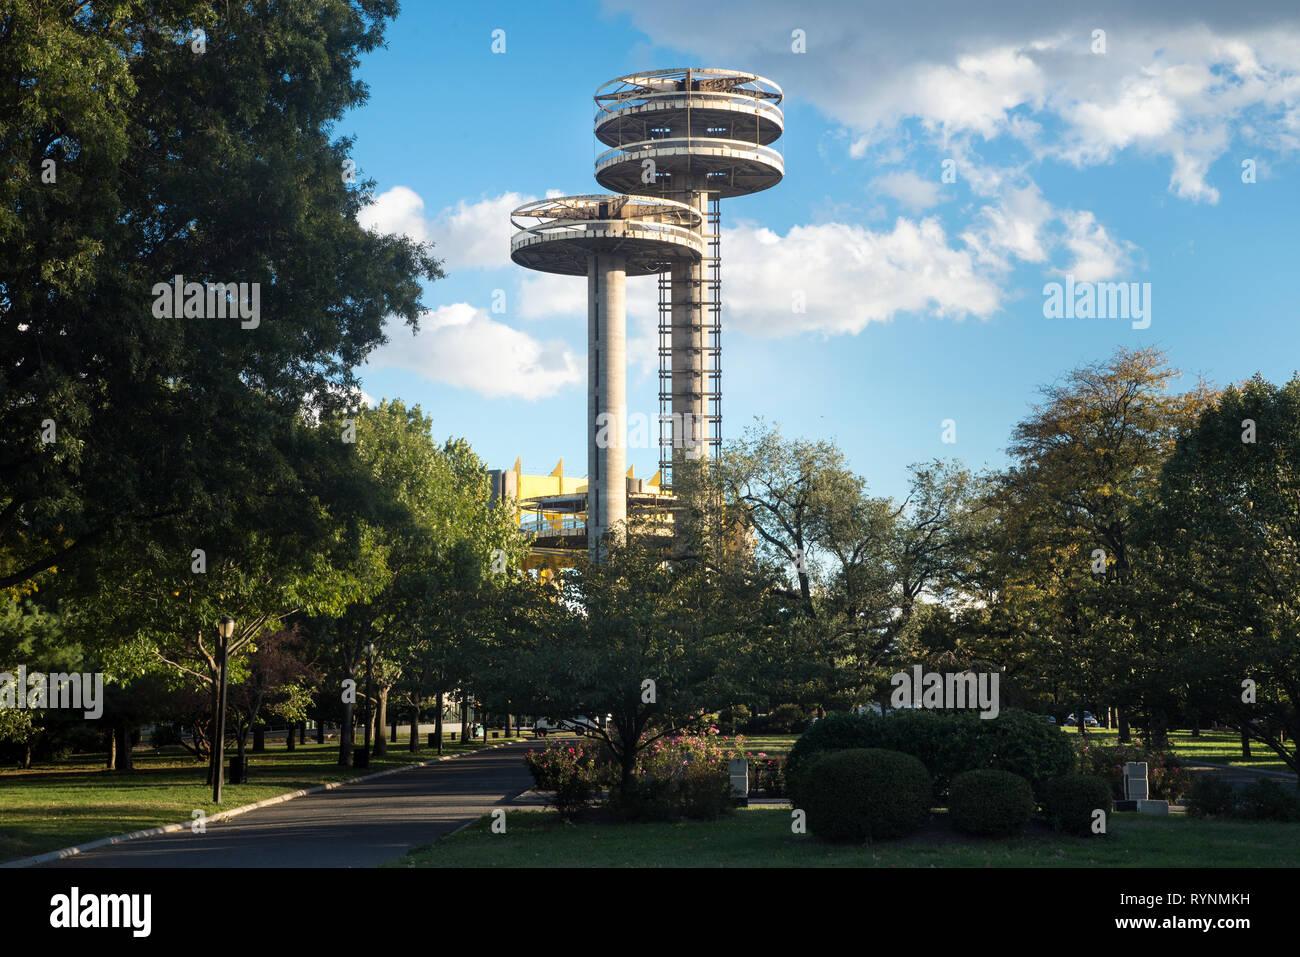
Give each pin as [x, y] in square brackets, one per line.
[766, 775]
[570, 772]
[666, 757]
[684, 775]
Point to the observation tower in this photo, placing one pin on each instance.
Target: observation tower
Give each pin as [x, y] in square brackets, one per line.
[606, 239]
[695, 136]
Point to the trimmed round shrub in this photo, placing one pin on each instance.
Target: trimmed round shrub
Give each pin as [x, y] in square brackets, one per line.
[946, 742]
[835, 732]
[1071, 799]
[1210, 796]
[865, 794]
[989, 802]
[1025, 744]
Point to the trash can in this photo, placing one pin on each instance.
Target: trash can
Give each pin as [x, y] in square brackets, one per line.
[361, 757]
[238, 770]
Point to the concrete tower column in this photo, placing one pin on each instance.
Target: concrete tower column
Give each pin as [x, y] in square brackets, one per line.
[689, 359]
[606, 396]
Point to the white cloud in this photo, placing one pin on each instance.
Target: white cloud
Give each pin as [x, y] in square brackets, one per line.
[470, 235]
[911, 191]
[398, 210]
[1180, 79]
[460, 346]
[477, 235]
[848, 276]
[976, 93]
[1097, 255]
[1012, 228]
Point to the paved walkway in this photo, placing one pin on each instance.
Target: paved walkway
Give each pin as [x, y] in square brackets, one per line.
[361, 824]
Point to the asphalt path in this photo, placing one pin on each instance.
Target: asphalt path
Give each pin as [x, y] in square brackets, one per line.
[360, 824]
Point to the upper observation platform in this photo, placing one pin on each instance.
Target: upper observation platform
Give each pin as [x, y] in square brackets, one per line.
[649, 233]
[704, 128]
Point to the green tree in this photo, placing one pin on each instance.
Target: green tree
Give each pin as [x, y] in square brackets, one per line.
[142, 159]
[442, 534]
[1067, 570]
[1227, 531]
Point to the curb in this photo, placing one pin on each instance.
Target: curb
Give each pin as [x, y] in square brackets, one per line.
[233, 812]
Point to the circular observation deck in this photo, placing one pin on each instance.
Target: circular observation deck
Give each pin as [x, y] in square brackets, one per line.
[705, 129]
[725, 167]
[689, 103]
[649, 233]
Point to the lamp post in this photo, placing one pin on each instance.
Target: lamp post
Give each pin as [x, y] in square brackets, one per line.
[226, 629]
[370, 653]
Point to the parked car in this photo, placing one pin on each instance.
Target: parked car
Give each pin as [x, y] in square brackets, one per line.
[581, 725]
[1088, 721]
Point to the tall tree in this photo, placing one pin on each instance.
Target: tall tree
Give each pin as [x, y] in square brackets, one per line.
[1085, 461]
[175, 138]
[1227, 531]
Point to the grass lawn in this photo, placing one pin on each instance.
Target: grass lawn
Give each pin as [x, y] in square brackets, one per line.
[73, 801]
[773, 745]
[761, 837]
[1215, 747]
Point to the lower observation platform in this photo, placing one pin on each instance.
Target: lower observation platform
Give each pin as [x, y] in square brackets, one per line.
[649, 234]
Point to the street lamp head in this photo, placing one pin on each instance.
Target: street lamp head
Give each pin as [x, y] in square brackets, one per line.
[226, 627]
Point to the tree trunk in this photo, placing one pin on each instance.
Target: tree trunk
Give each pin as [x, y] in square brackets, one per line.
[27, 755]
[381, 721]
[345, 735]
[437, 725]
[112, 750]
[1196, 726]
[288, 738]
[259, 738]
[124, 762]
[627, 761]
[320, 725]
[1125, 732]
[1160, 728]
[1245, 742]
[415, 727]
[212, 730]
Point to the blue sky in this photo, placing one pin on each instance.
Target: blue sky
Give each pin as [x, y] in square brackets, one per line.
[924, 298]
